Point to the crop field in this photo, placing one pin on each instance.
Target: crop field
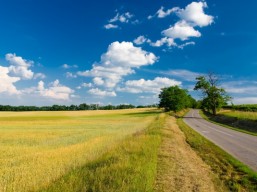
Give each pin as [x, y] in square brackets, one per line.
[241, 114]
[38, 148]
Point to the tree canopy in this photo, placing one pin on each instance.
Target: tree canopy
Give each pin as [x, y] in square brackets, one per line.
[175, 99]
[213, 96]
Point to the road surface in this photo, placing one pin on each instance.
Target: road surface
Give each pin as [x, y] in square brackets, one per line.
[240, 145]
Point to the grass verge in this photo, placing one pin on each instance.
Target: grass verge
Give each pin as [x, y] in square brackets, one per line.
[235, 175]
[130, 166]
[236, 123]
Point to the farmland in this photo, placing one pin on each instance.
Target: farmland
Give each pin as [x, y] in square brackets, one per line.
[245, 121]
[38, 148]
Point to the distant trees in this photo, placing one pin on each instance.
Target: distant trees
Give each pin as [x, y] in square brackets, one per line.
[175, 99]
[80, 107]
[213, 96]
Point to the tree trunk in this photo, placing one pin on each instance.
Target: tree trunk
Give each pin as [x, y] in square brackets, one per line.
[214, 111]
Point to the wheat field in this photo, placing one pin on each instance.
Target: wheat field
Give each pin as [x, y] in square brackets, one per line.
[37, 148]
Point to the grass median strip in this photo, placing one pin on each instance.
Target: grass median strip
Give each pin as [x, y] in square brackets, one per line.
[235, 175]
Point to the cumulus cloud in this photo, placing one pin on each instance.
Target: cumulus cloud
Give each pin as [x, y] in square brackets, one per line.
[191, 16]
[110, 26]
[101, 93]
[161, 13]
[120, 18]
[7, 82]
[181, 30]
[165, 40]
[119, 61]
[98, 81]
[148, 86]
[141, 40]
[54, 91]
[194, 14]
[123, 18]
[19, 66]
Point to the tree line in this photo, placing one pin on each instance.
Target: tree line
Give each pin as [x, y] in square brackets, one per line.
[171, 98]
[213, 97]
[80, 107]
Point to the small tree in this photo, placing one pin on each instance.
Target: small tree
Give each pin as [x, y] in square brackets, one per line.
[213, 97]
[174, 98]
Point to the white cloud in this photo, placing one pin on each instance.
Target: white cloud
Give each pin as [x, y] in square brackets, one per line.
[98, 81]
[120, 18]
[165, 40]
[123, 18]
[186, 44]
[194, 14]
[55, 91]
[161, 13]
[140, 40]
[119, 61]
[39, 76]
[183, 74]
[181, 30]
[148, 86]
[7, 82]
[70, 75]
[66, 66]
[110, 26]
[19, 66]
[101, 93]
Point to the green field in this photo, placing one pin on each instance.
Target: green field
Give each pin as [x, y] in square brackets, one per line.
[43, 151]
[241, 115]
[240, 120]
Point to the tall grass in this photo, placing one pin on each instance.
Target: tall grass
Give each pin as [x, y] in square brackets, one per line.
[241, 114]
[39, 148]
[239, 120]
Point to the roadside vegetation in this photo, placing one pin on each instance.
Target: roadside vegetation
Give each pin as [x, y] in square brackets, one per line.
[235, 175]
[240, 120]
[79, 150]
[179, 168]
[245, 107]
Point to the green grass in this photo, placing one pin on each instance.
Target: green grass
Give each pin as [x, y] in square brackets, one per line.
[130, 166]
[235, 175]
[238, 120]
[40, 149]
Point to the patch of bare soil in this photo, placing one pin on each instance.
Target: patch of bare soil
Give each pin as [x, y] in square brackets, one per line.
[179, 167]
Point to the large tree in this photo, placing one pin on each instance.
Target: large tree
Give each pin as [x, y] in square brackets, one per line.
[213, 96]
[174, 99]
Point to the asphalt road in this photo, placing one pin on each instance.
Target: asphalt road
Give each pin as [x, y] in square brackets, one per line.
[240, 145]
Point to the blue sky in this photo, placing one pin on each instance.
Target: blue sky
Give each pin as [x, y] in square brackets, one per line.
[123, 51]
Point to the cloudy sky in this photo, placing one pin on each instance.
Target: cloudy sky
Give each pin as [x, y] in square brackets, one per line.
[123, 51]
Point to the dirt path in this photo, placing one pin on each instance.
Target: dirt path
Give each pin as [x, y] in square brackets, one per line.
[179, 167]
